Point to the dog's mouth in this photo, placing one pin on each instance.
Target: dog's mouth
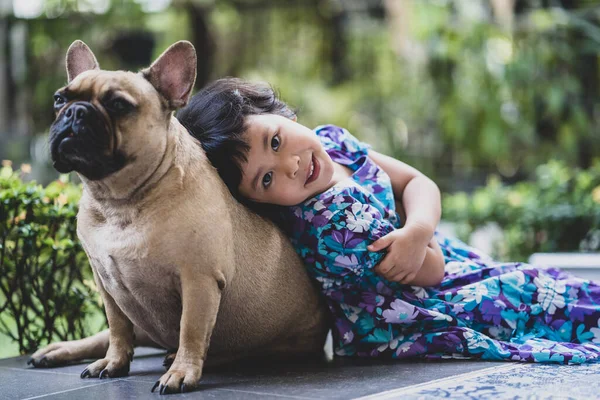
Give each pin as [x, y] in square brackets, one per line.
[68, 147]
[61, 146]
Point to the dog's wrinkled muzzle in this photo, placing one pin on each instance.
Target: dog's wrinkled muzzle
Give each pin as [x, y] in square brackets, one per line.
[66, 134]
[78, 115]
[80, 141]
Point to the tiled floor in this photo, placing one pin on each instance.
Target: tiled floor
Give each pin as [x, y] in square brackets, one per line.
[333, 379]
[340, 378]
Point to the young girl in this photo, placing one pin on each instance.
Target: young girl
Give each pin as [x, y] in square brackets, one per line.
[397, 288]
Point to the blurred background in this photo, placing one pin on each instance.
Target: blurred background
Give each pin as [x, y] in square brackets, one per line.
[496, 100]
[459, 89]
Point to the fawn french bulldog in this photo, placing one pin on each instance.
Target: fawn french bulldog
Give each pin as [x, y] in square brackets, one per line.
[179, 263]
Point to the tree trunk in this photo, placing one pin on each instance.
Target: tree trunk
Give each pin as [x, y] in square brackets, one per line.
[4, 123]
[203, 42]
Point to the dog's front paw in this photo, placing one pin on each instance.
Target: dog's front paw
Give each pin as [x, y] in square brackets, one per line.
[180, 378]
[107, 368]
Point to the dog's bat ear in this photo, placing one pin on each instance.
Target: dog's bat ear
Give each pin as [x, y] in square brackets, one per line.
[173, 73]
[80, 59]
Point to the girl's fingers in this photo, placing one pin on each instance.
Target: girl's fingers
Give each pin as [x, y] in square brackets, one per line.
[389, 270]
[380, 243]
[408, 278]
[393, 272]
[394, 275]
[384, 268]
[398, 277]
[386, 265]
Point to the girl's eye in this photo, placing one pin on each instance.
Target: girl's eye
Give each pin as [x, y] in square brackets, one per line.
[275, 142]
[266, 181]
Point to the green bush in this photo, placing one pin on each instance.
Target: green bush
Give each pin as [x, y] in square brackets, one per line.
[46, 285]
[558, 212]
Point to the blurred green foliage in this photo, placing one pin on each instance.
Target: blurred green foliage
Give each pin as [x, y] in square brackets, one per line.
[50, 38]
[46, 285]
[482, 97]
[557, 212]
[472, 96]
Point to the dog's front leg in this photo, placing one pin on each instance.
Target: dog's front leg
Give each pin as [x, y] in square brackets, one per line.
[200, 296]
[120, 342]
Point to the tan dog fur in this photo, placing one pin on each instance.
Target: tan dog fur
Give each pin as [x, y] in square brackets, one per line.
[179, 263]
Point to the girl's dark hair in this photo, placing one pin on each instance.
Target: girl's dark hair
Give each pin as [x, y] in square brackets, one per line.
[216, 117]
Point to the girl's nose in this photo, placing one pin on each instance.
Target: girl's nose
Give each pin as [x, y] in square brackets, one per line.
[292, 166]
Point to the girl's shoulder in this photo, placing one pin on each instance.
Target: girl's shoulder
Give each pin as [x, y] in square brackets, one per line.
[337, 139]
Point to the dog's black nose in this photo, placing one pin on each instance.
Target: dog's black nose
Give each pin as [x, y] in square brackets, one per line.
[76, 111]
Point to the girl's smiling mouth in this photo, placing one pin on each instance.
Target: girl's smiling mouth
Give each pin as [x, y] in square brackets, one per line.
[313, 171]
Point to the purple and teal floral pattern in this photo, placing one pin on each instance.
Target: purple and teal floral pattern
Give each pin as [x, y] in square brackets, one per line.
[483, 309]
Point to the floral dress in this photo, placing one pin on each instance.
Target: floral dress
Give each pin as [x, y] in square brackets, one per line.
[483, 308]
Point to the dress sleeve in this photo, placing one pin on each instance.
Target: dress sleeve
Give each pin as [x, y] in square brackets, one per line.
[341, 144]
[341, 229]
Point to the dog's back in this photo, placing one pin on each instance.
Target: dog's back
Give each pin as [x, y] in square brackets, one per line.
[270, 297]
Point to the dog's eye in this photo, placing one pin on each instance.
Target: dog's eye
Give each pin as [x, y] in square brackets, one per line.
[59, 101]
[119, 106]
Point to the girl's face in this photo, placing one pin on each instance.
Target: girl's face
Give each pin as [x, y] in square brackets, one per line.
[286, 163]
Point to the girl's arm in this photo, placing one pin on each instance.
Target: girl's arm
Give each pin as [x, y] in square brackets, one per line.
[432, 269]
[420, 196]
[420, 207]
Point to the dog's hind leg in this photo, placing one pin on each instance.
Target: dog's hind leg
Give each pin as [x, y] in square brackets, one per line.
[169, 358]
[91, 347]
[61, 353]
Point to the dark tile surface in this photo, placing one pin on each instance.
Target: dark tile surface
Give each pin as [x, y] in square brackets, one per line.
[334, 379]
[129, 389]
[18, 383]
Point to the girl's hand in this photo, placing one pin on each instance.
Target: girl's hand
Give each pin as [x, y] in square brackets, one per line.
[406, 250]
